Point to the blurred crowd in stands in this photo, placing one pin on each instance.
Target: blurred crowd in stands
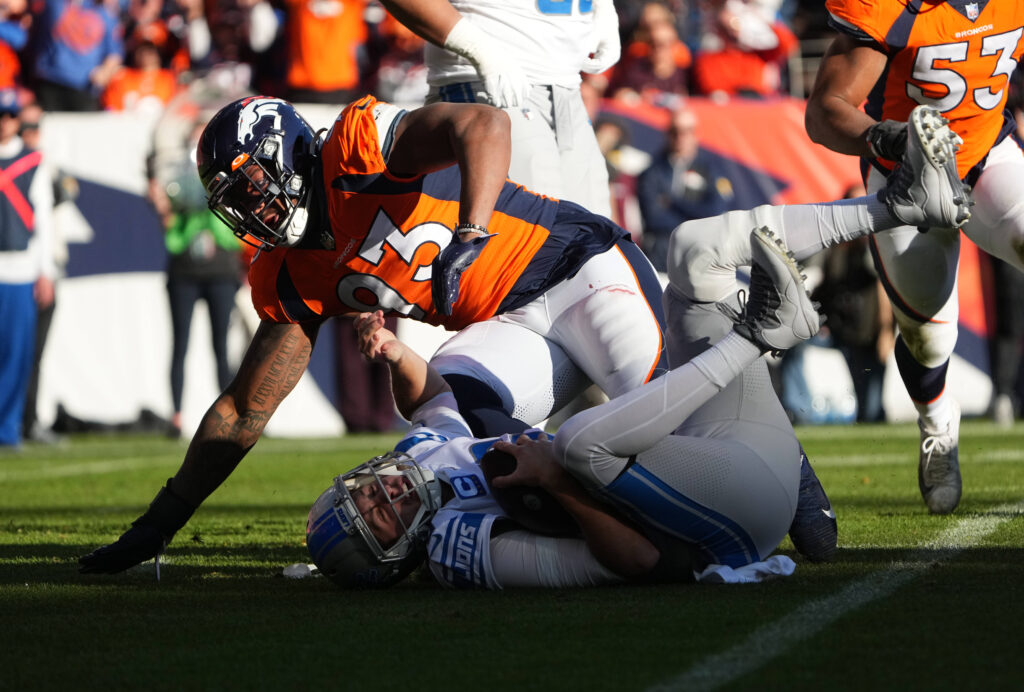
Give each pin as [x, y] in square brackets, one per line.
[83, 55]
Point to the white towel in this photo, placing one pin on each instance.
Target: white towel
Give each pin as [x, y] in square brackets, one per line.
[775, 566]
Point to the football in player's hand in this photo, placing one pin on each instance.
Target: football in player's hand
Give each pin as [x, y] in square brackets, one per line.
[533, 508]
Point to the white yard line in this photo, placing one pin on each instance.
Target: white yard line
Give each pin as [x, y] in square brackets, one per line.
[777, 638]
[88, 468]
[996, 456]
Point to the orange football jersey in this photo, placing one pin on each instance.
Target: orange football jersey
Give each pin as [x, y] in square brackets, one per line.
[954, 55]
[388, 230]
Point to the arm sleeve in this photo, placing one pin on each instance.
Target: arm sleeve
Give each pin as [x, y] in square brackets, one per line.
[40, 193]
[387, 117]
[441, 413]
[13, 34]
[524, 559]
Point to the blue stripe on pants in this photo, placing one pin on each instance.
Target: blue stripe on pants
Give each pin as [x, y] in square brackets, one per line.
[17, 344]
[721, 539]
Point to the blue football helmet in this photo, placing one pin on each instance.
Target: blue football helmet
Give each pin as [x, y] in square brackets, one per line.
[340, 538]
[256, 160]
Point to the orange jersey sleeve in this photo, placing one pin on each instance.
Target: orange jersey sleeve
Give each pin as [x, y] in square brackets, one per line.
[387, 231]
[957, 57]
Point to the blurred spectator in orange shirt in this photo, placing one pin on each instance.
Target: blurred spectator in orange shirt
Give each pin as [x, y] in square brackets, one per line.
[654, 64]
[743, 48]
[147, 86]
[324, 39]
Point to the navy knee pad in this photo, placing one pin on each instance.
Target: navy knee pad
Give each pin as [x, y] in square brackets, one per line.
[482, 408]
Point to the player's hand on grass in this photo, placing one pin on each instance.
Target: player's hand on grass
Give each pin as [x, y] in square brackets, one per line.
[447, 270]
[136, 545]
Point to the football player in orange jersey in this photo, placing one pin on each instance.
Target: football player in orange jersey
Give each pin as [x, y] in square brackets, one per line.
[548, 297]
[956, 56]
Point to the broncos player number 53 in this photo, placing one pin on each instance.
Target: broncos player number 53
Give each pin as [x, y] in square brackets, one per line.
[925, 70]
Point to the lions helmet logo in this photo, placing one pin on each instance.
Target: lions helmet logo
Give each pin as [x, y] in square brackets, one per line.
[255, 109]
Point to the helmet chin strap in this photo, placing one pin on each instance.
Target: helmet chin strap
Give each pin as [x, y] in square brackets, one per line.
[433, 488]
[420, 524]
[296, 228]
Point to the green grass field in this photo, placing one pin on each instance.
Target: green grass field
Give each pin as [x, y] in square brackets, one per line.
[913, 601]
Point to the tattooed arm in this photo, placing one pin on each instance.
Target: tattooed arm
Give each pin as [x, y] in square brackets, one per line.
[276, 359]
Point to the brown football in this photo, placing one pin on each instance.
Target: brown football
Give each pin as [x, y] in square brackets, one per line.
[533, 508]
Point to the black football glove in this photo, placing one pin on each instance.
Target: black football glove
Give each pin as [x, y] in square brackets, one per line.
[447, 269]
[888, 139]
[146, 539]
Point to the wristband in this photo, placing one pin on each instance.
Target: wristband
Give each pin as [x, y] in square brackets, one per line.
[464, 228]
[887, 139]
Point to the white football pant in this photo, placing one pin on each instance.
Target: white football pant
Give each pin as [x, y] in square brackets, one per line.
[595, 327]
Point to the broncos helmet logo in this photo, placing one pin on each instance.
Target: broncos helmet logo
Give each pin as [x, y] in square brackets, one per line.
[253, 111]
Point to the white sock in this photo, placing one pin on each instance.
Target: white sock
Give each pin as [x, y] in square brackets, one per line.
[937, 414]
[724, 361]
[635, 421]
[807, 229]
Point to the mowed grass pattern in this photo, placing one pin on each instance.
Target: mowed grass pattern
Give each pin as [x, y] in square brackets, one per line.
[913, 601]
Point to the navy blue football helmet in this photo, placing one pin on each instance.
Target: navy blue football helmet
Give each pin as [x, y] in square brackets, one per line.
[255, 159]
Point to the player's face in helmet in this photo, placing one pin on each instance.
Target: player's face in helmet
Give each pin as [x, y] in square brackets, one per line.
[256, 159]
[254, 190]
[371, 526]
[388, 506]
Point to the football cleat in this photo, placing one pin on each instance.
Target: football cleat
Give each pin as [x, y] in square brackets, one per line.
[925, 190]
[814, 531]
[778, 313]
[139, 543]
[938, 471]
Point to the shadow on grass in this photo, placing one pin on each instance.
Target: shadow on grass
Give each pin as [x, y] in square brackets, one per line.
[51, 563]
[252, 512]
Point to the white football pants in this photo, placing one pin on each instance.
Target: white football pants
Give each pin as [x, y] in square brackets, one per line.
[595, 327]
[920, 269]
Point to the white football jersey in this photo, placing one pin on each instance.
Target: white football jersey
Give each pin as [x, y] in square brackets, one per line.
[548, 39]
[460, 538]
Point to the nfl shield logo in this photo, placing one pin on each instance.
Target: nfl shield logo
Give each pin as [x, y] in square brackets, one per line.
[972, 11]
